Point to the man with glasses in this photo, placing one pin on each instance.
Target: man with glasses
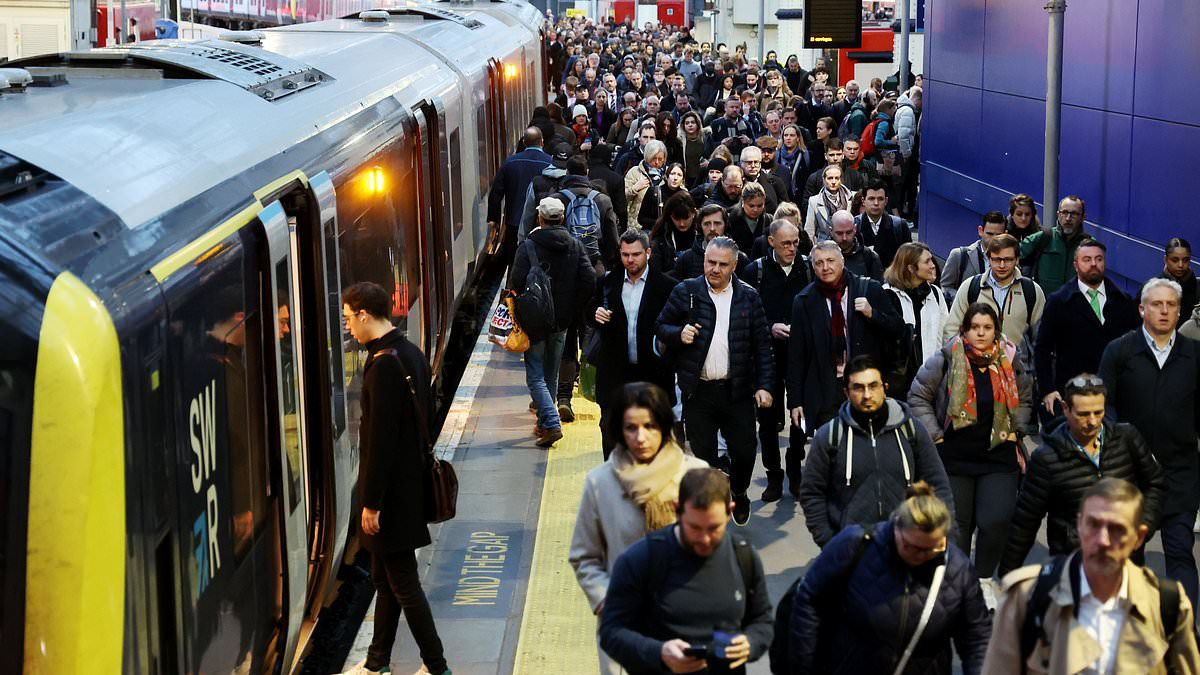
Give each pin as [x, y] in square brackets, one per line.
[1153, 379]
[863, 459]
[1018, 301]
[778, 277]
[1069, 460]
[1051, 254]
[1095, 611]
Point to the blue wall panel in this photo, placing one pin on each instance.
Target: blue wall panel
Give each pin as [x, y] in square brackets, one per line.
[1131, 119]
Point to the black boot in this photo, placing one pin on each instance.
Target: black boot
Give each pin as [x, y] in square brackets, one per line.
[774, 489]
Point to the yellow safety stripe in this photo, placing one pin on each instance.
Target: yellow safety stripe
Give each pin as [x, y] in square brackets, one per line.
[75, 564]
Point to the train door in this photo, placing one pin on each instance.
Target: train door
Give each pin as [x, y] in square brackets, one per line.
[287, 430]
[435, 242]
[496, 82]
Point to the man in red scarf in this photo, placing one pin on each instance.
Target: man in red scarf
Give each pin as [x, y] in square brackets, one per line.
[837, 317]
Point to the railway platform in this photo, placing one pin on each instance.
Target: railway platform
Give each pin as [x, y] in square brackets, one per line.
[497, 577]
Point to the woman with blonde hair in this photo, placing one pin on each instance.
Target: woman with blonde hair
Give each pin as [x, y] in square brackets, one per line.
[692, 138]
[632, 493]
[910, 279]
[643, 184]
[775, 91]
[833, 197]
[893, 598]
[793, 162]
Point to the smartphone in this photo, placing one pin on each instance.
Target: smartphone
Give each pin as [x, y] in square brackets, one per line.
[696, 651]
[721, 640]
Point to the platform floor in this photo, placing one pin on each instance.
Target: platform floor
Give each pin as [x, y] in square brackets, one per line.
[502, 592]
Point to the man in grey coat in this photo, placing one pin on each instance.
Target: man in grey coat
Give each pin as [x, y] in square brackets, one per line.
[965, 262]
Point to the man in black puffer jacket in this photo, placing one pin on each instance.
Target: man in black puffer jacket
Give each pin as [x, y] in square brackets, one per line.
[690, 263]
[716, 332]
[1070, 459]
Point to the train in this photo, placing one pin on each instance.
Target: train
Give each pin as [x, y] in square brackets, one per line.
[178, 394]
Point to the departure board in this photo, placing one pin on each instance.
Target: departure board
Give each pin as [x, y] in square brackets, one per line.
[832, 24]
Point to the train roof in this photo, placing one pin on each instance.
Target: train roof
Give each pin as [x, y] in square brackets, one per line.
[143, 128]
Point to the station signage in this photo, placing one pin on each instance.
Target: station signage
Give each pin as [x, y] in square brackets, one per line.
[832, 24]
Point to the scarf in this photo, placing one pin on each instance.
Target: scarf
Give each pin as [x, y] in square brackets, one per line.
[962, 410]
[582, 131]
[837, 318]
[836, 202]
[654, 487]
[787, 160]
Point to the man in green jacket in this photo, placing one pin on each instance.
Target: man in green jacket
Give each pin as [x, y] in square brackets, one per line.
[1051, 254]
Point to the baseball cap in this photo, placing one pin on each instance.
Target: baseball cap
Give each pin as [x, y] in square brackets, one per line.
[551, 210]
[559, 160]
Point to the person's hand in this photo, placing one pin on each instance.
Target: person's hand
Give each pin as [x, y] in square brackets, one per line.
[745, 140]
[603, 316]
[675, 660]
[688, 335]
[863, 307]
[727, 141]
[737, 653]
[797, 416]
[780, 331]
[1050, 400]
[585, 146]
[370, 521]
[763, 398]
[641, 184]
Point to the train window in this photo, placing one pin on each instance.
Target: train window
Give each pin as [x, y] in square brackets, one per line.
[485, 157]
[456, 182]
[290, 383]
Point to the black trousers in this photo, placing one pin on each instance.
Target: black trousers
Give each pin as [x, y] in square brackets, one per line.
[712, 409]
[398, 583]
[984, 503]
[568, 369]
[772, 420]
[1177, 542]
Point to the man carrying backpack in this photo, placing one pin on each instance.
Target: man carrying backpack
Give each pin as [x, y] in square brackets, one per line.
[553, 278]
[1094, 611]
[1017, 300]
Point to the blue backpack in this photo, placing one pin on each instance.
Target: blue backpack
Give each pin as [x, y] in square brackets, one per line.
[583, 220]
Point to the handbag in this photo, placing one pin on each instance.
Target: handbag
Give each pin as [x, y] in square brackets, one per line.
[504, 328]
[926, 612]
[441, 482]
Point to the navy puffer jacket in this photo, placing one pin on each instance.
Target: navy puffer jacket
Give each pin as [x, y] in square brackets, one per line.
[855, 621]
[751, 365]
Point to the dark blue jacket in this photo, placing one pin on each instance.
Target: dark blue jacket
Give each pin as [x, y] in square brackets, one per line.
[512, 182]
[1071, 340]
[751, 365]
[853, 621]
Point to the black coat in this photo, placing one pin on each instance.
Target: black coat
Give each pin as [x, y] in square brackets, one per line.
[690, 263]
[1057, 476]
[511, 182]
[614, 187]
[1163, 404]
[565, 260]
[778, 291]
[391, 478]
[812, 374]
[857, 620]
[1070, 339]
[864, 262]
[740, 231]
[613, 367]
[751, 366]
[893, 232]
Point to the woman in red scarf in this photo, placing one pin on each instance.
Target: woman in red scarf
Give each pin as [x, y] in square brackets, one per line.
[975, 397]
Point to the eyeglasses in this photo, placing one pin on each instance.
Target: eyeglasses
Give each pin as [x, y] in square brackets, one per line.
[1085, 381]
[1002, 261]
[923, 550]
[1070, 214]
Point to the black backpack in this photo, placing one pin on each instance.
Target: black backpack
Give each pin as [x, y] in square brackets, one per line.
[1027, 287]
[1032, 630]
[778, 654]
[535, 305]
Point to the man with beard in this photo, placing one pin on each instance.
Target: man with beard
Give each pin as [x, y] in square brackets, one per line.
[713, 224]
[728, 192]
[671, 589]
[732, 130]
[751, 162]
[859, 259]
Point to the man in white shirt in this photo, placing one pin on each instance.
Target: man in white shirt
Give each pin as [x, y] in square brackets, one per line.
[1100, 613]
[716, 330]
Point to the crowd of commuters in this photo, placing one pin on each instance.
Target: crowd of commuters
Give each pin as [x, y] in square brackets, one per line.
[754, 255]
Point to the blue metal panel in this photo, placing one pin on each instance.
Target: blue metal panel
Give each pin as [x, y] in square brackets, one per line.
[1168, 52]
[950, 128]
[1098, 53]
[1015, 40]
[1012, 159]
[1162, 193]
[954, 52]
[1095, 163]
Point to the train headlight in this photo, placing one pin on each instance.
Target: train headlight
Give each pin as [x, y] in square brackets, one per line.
[510, 71]
[375, 180]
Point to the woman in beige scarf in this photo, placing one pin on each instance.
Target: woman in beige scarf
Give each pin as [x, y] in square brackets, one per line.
[632, 493]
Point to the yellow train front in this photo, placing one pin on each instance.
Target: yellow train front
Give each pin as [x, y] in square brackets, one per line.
[177, 396]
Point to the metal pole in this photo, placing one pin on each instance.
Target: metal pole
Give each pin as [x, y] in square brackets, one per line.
[904, 67]
[124, 23]
[1054, 60]
[110, 24]
[762, 32]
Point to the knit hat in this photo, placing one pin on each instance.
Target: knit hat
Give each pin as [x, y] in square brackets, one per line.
[717, 164]
[578, 110]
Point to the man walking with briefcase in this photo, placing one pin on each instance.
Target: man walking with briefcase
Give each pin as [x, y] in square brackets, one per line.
[392, 475]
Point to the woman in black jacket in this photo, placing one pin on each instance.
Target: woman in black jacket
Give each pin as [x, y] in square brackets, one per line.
[674, 233]
[860, 603]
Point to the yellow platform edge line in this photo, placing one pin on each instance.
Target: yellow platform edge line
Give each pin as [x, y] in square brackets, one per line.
[558, 629]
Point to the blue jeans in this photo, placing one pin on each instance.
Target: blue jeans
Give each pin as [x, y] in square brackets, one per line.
[541, 376]
[1177, 541]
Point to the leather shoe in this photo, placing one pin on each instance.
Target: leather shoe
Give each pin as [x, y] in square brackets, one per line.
[549, 437]
[741, 509]
[774, 490]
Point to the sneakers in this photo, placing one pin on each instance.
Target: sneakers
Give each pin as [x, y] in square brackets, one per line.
[774, 489]
[989, 593]
[549, 437]
[362, 669]
[565, 413]
[741, 509]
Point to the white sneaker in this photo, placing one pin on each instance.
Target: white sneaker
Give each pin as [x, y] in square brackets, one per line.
[1196, 525]
[989, 593]
[362, 669]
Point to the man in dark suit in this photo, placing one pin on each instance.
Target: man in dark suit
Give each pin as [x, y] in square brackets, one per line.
[396, 398]
[877, 229]
[836, 318]
[623, 310]
[1079, 321]
[1153, 379]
